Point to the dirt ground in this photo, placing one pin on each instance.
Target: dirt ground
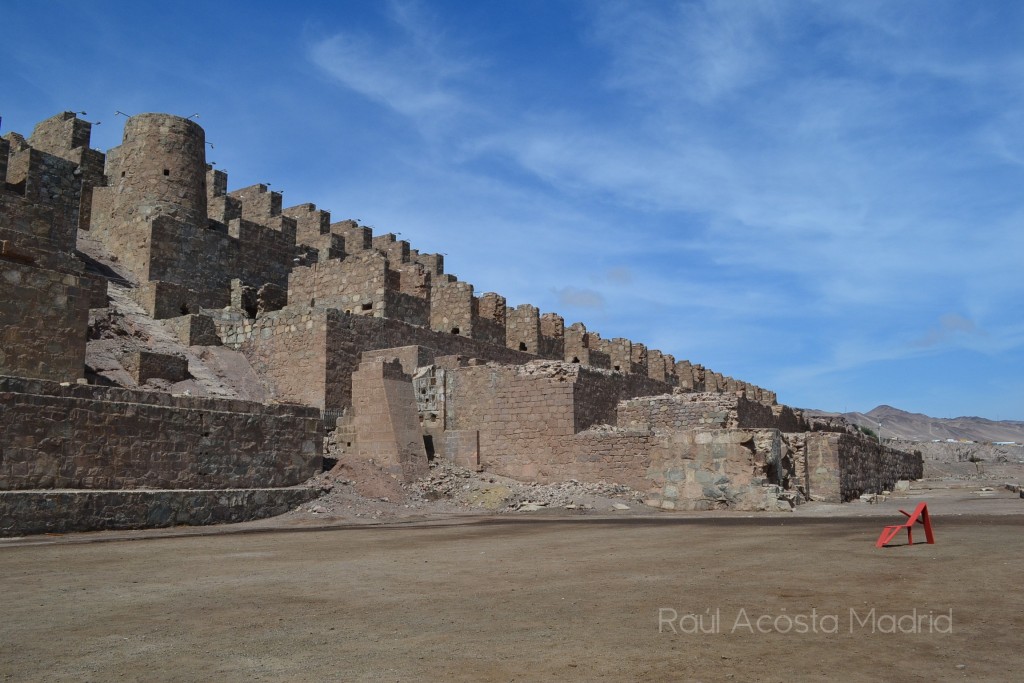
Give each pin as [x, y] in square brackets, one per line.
[529, 597]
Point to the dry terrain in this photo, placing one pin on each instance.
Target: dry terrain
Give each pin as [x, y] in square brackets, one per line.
[900, 424]
[550, 595]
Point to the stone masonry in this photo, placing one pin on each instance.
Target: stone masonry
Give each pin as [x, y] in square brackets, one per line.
[88, 437]
[334, 321]
[386, 424]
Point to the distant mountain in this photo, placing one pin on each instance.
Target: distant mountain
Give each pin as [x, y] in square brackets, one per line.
[900, 424]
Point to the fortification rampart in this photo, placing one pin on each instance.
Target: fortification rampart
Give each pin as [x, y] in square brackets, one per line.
[545, 421]
[706, 410]
[169, 217]
[44, 312]
[526, 415]
[551, 421]
[60, 512]
[840, 467]
[89, 437]
[308, 355]
[43, 318]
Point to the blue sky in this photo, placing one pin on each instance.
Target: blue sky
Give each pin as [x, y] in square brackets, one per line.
[822, 198]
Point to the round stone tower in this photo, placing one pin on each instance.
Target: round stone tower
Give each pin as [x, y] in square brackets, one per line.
[159, 170]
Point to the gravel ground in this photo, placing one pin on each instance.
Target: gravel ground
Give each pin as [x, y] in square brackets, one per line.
[524, 597]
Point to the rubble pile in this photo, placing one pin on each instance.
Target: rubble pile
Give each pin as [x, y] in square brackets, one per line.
[449, 489]
[447, 481]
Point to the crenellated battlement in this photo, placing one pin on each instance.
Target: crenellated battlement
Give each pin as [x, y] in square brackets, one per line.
[171, 218]
[452, 307]
[61, 133]
[46, 292]
[552, 336]
[5, 151]
[168, 216]
[489, 323]
[313, 230]
[259, 203]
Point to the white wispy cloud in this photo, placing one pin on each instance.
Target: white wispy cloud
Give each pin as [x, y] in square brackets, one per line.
[410, 70]
[701, 51]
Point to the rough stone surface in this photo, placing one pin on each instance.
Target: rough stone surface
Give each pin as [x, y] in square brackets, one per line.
[309, 355]
[146, 365]
[41, 512]
[78, 436]
[43, 318]
[385, 420]
[194, 330]
[841, 467]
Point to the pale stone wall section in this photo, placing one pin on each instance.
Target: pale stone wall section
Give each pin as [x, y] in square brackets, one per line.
[385, 419]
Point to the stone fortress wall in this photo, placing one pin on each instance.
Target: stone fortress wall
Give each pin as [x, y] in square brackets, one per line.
[171, 221]
[315, 306]
[118, 458]
[186, 443]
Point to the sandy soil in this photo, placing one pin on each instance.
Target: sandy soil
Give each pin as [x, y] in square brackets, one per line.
[527, 597]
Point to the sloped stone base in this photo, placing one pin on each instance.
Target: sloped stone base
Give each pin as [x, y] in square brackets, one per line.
[59, 511]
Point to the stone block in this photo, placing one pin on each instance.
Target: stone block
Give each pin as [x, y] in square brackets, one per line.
[96, 288]
[146, 365]
[162, 300]
[462, 446]
[194, 330]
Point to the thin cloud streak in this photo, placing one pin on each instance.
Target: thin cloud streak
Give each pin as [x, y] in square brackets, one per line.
[410, 73]
[575, 297]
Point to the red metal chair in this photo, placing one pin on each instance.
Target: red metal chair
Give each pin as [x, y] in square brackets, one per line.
[919, 516]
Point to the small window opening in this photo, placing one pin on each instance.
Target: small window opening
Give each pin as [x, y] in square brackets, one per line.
[367, 307]
[617, 367]
[522, 346]
[455, 330]
[167, 171]
[122, 174]
[575, 359]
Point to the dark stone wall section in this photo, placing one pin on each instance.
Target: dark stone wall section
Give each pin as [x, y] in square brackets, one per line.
[40, 512]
